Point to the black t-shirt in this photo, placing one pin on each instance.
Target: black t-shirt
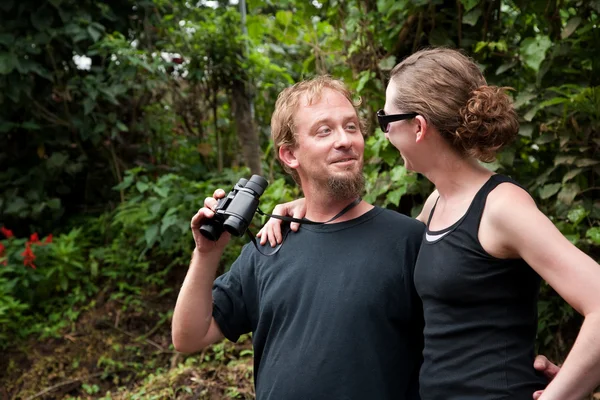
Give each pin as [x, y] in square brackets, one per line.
[334, 314]
[480, 315]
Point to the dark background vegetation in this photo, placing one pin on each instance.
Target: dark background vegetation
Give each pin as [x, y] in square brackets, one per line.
[102, 166]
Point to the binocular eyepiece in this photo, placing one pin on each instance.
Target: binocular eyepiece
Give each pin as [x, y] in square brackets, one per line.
[234, 212]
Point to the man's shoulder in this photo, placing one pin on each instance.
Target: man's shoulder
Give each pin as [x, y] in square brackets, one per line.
[401, 221]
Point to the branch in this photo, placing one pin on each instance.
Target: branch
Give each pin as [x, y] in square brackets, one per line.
[61, 384]
[486, 20]
[460, 17]
[148, 341]
[418, 33]
[49, 116]
[406, 29]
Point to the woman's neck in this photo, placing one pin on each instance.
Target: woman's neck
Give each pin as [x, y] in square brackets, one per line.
[455, 175]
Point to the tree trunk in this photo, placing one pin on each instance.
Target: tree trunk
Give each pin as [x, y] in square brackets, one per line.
[247, 133]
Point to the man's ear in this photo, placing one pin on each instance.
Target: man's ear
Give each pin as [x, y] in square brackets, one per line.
[287, 155]
[420, 128]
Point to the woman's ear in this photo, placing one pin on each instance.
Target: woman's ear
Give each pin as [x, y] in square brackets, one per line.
[287, 156]
[420, 128]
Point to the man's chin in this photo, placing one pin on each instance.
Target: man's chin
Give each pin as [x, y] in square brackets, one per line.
[345, 186]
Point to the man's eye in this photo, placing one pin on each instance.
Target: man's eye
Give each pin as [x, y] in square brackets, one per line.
[324, 131]
[351, 127]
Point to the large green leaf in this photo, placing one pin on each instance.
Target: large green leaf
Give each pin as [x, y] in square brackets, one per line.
[594, 235]
[577, 214]
[394, 196]
[57, 160]
[469, 4]
[7, 39]
[151, 234]
[284, 17]
[549, 190]
[15, 205]
[533, 51]
[568, 193]
[471, 17]
[8, 62]
[94, 32]
[571, 26]
[365, 76]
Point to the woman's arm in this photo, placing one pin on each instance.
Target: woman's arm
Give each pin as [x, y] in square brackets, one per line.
[523, 230]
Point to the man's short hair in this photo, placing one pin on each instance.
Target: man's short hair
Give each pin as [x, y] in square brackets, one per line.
[283, 129]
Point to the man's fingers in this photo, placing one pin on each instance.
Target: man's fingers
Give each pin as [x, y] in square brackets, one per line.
[219, 194]
[201, 215]
[210, 203]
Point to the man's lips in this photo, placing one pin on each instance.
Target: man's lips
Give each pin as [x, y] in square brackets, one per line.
[343, 160]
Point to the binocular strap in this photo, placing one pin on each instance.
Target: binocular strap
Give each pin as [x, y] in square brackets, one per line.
[286, 227]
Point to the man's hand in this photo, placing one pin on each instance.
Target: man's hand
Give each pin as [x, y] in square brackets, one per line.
[549, 369]
[271, 231]
[204, 245]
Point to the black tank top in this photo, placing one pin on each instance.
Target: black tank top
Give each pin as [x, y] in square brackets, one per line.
[480, 314]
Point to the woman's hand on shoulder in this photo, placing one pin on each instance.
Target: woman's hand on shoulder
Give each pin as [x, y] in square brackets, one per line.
[271, 231]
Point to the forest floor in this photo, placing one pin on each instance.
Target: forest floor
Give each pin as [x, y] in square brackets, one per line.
[120, 349]
[114, 351]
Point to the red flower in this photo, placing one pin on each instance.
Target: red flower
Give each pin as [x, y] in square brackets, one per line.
[6, 232]
[28, 256]
[34, 238]
[2, 248]
[48, 238]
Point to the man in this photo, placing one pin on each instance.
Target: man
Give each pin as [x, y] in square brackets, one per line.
[334, 314]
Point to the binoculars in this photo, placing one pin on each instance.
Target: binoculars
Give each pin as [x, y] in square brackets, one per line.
[235, 211]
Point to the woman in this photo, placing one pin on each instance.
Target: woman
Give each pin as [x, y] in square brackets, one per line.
[486, 243]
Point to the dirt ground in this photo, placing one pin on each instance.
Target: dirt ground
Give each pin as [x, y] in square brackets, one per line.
[117, 352]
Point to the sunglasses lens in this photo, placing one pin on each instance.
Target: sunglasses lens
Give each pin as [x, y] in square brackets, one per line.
[383, 125]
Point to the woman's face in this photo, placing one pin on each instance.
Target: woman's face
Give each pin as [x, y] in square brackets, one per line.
[401, 134]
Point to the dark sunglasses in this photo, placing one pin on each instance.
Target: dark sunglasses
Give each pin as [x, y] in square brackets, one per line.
[384, 120]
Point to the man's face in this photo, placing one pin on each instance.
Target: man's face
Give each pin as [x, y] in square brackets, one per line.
[330, 145]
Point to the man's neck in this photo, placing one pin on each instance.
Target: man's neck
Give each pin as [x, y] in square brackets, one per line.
[321, 207]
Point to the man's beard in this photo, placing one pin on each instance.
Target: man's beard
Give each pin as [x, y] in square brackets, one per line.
[349, 186]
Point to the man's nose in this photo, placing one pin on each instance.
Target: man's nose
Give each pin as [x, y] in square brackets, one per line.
[342, 138]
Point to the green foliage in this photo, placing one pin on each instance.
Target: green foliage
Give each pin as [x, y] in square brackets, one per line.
[41, 92]
[115, 159]
[35, 274]
[386, 180]
[147, 236]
